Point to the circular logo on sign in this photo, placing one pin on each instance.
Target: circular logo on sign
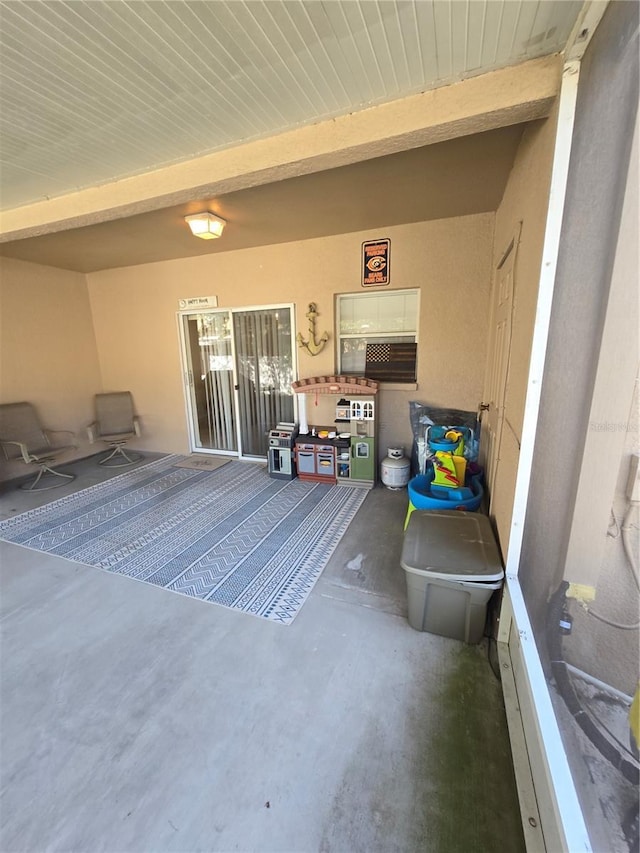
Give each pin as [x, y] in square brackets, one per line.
[376, 264]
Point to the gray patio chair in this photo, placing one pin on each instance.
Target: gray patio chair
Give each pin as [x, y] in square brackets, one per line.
[22, 436]
[115, 424]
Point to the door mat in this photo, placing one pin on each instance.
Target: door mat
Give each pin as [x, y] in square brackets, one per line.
[202, 463]
[235, 536]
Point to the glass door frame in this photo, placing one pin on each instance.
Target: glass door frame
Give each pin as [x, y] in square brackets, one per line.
[188, 380]
[187, 374]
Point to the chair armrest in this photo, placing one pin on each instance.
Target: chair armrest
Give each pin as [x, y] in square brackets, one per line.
[136, 425]
[92, 432]
[23, 449]
[54, 432]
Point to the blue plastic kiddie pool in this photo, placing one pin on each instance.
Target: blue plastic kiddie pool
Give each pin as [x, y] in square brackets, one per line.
[424, 495]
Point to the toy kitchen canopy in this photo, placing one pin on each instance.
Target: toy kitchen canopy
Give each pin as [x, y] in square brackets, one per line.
[348, 385]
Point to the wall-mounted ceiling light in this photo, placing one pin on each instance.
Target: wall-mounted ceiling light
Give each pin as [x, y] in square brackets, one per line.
[206, 225]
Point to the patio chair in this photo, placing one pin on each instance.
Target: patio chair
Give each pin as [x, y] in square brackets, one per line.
[115, 424]
[22, 436]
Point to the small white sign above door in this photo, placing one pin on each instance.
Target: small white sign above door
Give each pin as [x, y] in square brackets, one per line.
[198, 303]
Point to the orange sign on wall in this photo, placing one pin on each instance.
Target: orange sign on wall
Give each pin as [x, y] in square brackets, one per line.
[375, 263]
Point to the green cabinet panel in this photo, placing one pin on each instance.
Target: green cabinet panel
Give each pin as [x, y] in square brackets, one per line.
[363, 463]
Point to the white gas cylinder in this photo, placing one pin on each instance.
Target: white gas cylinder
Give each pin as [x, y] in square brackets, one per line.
[396, 469]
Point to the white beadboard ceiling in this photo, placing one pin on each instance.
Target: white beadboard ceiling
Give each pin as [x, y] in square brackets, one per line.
[97, 90]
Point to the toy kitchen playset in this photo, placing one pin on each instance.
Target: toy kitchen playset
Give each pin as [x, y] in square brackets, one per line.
[345, 451]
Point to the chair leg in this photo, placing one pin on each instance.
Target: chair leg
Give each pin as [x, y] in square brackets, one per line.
[119, 451]
[45, 469]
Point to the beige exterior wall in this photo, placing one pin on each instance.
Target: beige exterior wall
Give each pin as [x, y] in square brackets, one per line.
[47, 349]
[135, 308]
[525, 201]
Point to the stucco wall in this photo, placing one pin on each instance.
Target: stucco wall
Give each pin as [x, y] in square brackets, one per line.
[47, 349]
[134, 312]
[525, 201]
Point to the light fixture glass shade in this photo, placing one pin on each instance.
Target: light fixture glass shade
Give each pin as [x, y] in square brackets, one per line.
[206, 225]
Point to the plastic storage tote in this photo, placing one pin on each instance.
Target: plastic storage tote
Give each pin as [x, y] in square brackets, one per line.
[452, 567]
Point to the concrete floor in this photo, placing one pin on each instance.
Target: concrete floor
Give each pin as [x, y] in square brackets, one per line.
[136, 719]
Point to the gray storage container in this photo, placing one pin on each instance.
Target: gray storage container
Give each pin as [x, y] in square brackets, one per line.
[452, 567]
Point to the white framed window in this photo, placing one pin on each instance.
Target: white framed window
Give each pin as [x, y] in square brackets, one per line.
[374, 318]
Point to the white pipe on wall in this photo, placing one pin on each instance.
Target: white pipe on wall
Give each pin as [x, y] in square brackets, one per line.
[302, 414]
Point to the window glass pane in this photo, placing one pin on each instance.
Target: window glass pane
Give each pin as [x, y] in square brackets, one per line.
[391, 311]
[383, 313]
[408, 320]
[365, 313]
[346, 314]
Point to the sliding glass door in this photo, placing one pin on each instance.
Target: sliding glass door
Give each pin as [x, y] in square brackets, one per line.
[208, 354]
[264, 364]
[238, 375]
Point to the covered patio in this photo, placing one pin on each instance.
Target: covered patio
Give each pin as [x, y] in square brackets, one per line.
[139, 719]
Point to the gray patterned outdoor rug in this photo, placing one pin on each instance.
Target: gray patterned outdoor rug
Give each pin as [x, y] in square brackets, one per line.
[234, 536]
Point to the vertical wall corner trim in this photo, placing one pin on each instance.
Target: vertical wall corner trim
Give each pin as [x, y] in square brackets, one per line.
[551, 245]
[560, 812]
[559, 789]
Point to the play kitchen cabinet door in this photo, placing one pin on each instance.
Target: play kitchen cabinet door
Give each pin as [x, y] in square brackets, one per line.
[362, 459]
[316, 462]
[306, 460]
[362, 410]
[326, 462]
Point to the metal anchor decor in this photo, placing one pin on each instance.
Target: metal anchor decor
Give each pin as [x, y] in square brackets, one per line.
[312, 346]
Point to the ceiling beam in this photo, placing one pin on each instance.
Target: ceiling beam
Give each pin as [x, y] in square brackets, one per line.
[500, 98]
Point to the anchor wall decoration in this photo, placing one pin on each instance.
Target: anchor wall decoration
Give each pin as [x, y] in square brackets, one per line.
[312, 346]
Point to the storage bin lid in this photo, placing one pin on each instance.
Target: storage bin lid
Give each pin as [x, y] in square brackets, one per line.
[451, 545]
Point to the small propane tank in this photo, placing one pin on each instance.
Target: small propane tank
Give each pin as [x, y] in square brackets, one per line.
[396, 467]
